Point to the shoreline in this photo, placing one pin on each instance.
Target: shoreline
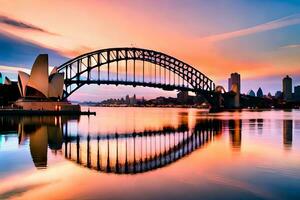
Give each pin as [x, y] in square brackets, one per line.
[195, 107]
[5, 112]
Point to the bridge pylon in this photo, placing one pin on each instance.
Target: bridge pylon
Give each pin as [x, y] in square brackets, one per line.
[214, 99]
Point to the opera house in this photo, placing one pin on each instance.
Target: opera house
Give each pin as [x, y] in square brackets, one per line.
[39, 91]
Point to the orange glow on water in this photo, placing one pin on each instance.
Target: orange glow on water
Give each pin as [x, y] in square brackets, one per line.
[248, 143]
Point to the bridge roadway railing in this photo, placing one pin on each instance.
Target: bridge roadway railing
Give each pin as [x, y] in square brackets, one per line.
[78, 71]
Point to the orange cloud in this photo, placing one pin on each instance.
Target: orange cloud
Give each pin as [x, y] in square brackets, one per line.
[91, 25]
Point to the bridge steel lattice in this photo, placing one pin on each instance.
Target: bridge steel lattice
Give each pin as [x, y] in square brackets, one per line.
[134, 153]
[140, 67]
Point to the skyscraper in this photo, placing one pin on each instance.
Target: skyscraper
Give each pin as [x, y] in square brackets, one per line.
[297, 93]
[127, 99]
[229, 84]
[259, 93]
[0, 78]
[234, 80]
[234, 85]
[287, 88]
[278, 95]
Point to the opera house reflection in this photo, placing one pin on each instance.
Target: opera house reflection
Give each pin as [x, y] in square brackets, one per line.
[42, 133]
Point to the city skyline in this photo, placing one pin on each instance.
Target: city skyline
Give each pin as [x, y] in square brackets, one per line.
[263, 47]
[105, 96]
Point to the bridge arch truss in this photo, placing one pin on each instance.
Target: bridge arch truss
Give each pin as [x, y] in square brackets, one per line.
[130, 66]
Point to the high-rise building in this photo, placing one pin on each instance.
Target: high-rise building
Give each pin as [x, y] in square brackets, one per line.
[297, 93]
[0, 78]
[259, 93]
[127, 99]
[287, 88]
[229, 84]
[133, 100]
[278, 95]
[251, 93]
[234, 85]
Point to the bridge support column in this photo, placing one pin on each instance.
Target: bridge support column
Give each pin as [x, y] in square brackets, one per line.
[216, 103]
[214, 100]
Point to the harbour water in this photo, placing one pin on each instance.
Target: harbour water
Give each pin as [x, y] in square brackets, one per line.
[151, 153]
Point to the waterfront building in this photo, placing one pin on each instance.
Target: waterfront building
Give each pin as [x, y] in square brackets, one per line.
[297, 93]
[127, 99]
[130, 100]
[278, 95]
[9, 93]
[39, 91]
[259, 93]
[287, 88]
[234, 85]
[251, 93]
[38, 84]
[235, 79]
[133, 100]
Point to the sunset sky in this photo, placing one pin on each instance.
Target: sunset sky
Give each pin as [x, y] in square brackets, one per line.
[260, 39]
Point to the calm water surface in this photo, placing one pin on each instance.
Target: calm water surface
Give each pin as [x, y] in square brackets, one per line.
[151, 153]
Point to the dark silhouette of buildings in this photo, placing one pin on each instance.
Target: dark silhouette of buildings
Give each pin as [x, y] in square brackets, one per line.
[127, 99]
[297, 93]
[234, 85]
[251, 93]
[9, 93]
[234, 80]
[287, 88]
[133, 100]
[278, 95]
[260, 93]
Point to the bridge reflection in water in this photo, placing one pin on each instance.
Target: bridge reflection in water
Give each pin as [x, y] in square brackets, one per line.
[131, 153]
[124, 153]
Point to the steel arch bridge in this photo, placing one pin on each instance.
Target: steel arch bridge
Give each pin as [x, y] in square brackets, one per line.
[135, 67]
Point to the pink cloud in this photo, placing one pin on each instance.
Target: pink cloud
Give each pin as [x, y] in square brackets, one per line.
[275, 24]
